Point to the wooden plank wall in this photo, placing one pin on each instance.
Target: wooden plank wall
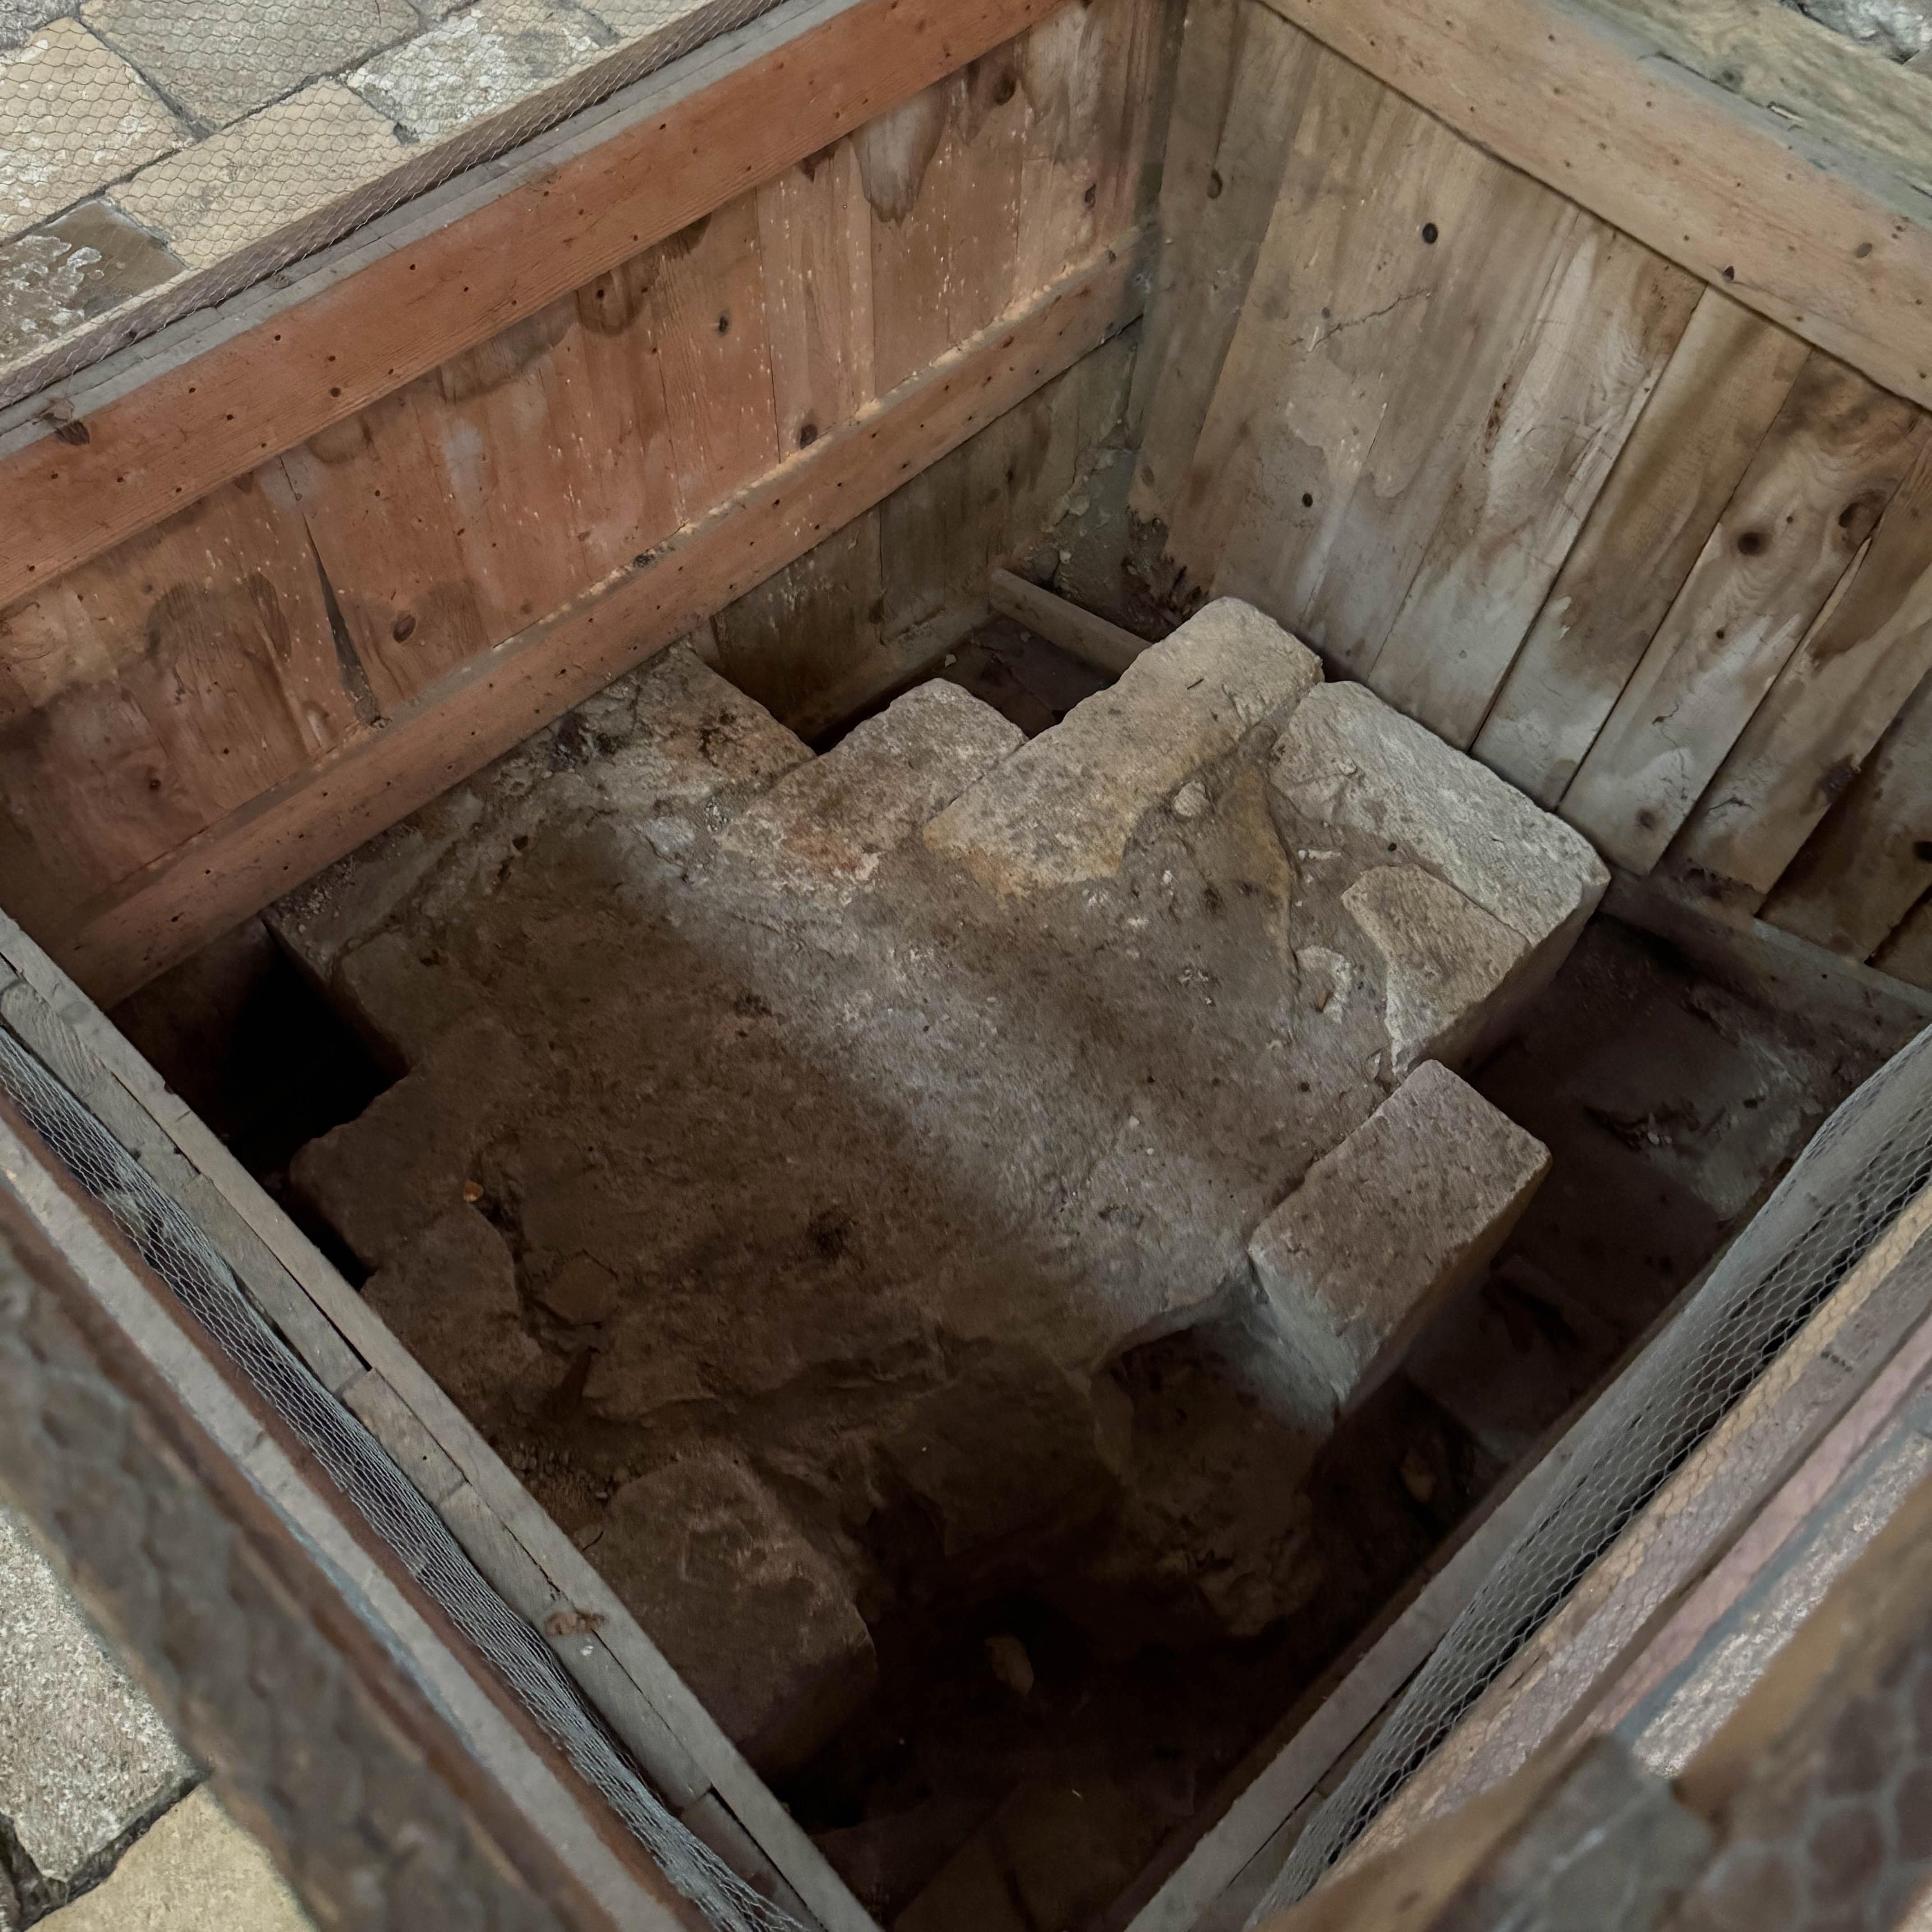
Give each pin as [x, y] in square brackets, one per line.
[159, 692]
[1651, 557]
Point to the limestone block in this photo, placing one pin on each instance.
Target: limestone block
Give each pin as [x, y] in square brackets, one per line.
[84, 1757]
[449, 1295]
[77, 116]
[405, 1160]
[746, 1609]
[242, 54]
[1064, 808]
[196, 1871]
[1445, 962]
[19, 18]
[225, 193]
[476, 61]
[825, 827]
[1407, 1210]
[694, 738]
[89, 260]
[1348, 766]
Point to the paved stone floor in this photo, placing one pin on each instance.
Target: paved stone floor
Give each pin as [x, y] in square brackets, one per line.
[104, 1824]
[143, 139]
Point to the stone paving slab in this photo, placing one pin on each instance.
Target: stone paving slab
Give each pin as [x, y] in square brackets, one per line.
[213, 199]
[84, 1757]
[196, 1871]
[477, 61]
[219, 59]
[80, 265]
[73, 116]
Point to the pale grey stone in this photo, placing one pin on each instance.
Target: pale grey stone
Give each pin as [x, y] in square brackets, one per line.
[231, 57]
[84, 1757]
[1445, 961]
[20, 18]
[251, 180]
[702, 1546]
[1899, 29]
[476, 61]
[77, 116]
[1352, 771]
[196, 1871]
[1405, 1212]
[824, 827]
[88, 260]
[1063, 809]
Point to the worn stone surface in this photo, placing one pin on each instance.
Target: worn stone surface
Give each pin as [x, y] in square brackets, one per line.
[811, 1144]
[634, 19]
[1899, 29]
[1405, 1211]
[231, 57]
[20, 18]
[702, 1546]
[84, 1757]
[196, 1870]
[449, 1293]
[825, 827]
[1063, 809]
[1354, 773]
[77, 116]
[216, 198]
[79, 264]
[474, 62]
[1444, 962]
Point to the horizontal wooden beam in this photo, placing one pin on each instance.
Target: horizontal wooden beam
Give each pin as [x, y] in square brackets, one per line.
[1826, 239]
[486, 706]
[166, 423]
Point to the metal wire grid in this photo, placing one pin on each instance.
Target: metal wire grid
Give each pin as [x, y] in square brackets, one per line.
[184, 1259]
[307, 170]
[1865, 1164]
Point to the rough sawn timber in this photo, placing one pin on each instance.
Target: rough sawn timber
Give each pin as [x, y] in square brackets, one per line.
[167, 423]
[483, 707]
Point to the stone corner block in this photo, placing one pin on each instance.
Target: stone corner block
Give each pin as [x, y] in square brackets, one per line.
[1063, 809]
[1384, 1228]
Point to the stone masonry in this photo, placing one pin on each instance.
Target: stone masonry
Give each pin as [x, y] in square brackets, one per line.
[799, 1146]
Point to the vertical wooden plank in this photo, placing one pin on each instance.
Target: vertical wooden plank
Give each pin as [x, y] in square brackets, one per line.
[987, 138]
[803, 629]
[1907, 954]
[1869, 861]
[815, 237]
[1837, 452]
[908, 187]
[714, 351]
[378, 508]
[1244, 82]
[1340, 293]
[1611, 317]
[166, 681]
[1831, 702]
[1711, 410]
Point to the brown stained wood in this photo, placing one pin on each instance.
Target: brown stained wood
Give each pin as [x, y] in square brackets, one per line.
[1242, 89]
[1818, 241]
[804, 628]
[482, 708]
[1302, 393]
[155, 689]
[715, 356]
[1847, 682]
[378, 509]
[897, 155]
[1612, 316]
[1092, 639]
[1815, 491]
[1907, 954]
[814, 235]
[1704, 420]
[1870, 861]
[164, 426]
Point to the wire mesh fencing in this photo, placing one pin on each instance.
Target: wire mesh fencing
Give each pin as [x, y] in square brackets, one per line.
[187, 1262]
[1868, 1161]
[159, 157]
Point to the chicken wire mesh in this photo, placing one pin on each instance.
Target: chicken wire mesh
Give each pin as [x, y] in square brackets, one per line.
[182, 1255]
[1866, 1163]
[158, 157]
